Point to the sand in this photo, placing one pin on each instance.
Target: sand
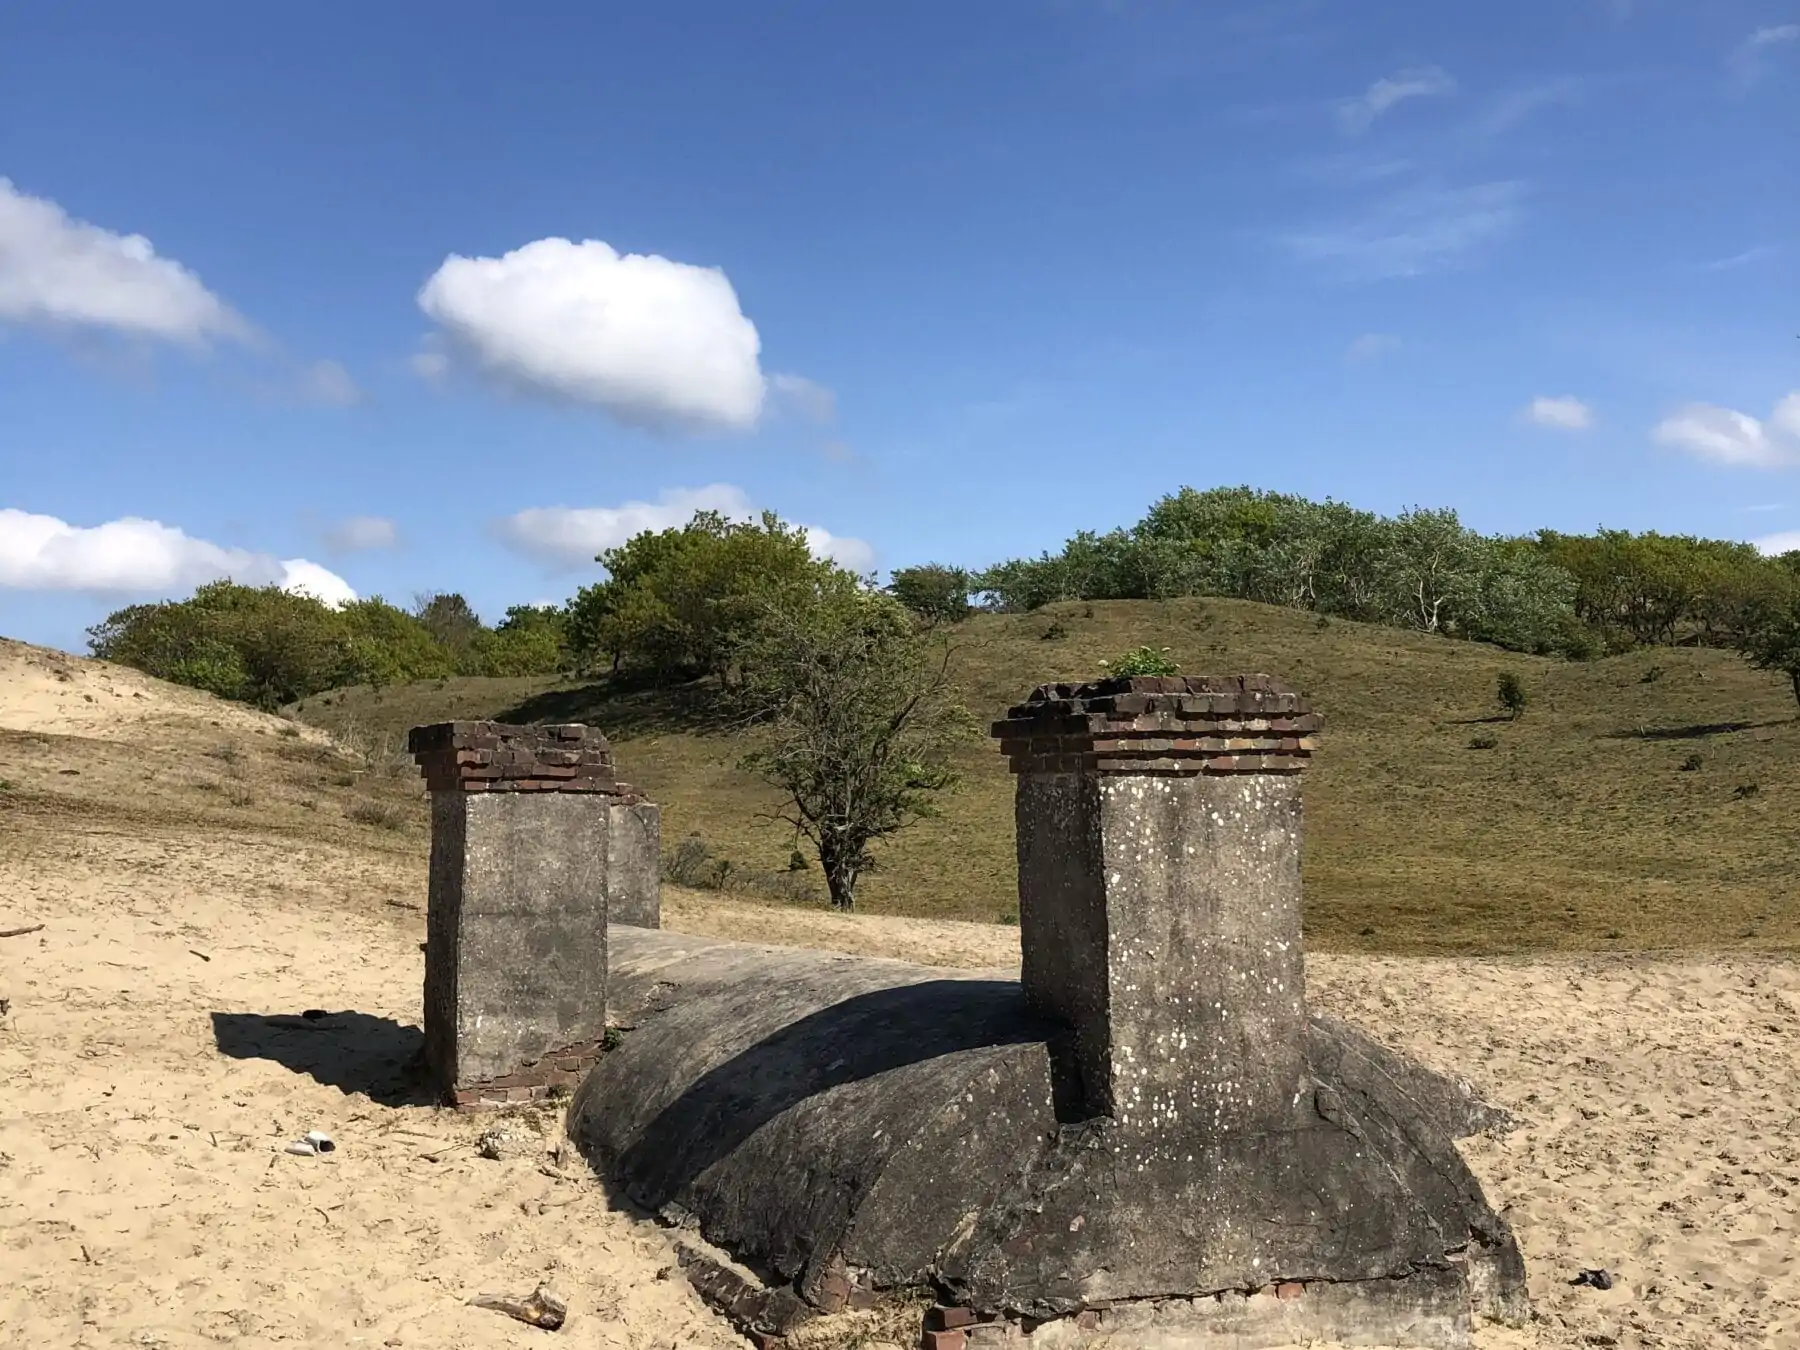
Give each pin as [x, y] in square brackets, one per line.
[154, 1063]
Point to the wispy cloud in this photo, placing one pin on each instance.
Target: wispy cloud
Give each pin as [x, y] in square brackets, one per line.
[1767, 506]
[1750, 59]
[327, 382]
[1515, 106]
[1357, 115]
[1371, 347]
[1561, 414]
[359, 534]
[1744, 259]
[1419, 230]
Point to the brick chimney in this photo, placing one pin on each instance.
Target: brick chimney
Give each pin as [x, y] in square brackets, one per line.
[1159, 893]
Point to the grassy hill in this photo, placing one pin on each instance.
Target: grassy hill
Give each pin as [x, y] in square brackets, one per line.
[1575, 827]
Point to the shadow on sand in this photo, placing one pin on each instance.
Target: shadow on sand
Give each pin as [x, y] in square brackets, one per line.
[375, 1057]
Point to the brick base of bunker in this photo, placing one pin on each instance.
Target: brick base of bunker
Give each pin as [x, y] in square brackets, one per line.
[842, 1125]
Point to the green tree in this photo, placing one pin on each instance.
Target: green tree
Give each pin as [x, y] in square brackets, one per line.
[452, 622]
[530, 640]
[677, 602]
[856, 717]
[265, 646]
[1771, 636]
[385, 645]
[933, 591]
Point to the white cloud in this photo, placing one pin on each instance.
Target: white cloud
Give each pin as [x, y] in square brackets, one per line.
[1358, 114]
[133, 556]
[1370, 347]
[1726, 436]
[854, 554]
[656, 343]
[1416, 231]
[56, 271]
[571, 536]
[1565, 414]
[567, 537]
[329, 383]
[1774, 545]
[359, 534]
[308, 578]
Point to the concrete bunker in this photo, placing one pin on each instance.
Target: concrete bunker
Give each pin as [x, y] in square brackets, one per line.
[1145, 1139]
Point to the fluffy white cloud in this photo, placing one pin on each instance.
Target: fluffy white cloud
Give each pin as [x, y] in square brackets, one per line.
[57, 271]
[654, 342]
[358, 534]
[854, 554]
[1726, 436]
[567, 537]
[1371, 346]
[1565, 414]
[132, 556]
[1359, 114]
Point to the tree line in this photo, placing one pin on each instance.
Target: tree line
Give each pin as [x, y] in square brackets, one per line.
[1579, 596]
[265, 646]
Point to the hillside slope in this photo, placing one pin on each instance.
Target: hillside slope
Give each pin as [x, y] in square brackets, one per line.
[1578, 828]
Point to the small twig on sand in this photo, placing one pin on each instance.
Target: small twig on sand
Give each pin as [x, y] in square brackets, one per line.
[202, 955]
[20, 932]
[540, 1309]
[404, 904]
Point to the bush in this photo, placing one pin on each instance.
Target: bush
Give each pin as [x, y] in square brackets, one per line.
[1511, 692]
[1693, 763]
[1143, 661]
[1483, 741]
[264, 646]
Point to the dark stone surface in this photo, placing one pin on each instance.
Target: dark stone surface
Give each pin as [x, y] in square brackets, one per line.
[515, 952]
[807, 1109]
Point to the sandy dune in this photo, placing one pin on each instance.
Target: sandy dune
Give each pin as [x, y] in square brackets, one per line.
[154, 1063]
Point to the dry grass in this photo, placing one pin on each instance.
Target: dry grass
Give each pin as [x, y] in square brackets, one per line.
[1578, 828]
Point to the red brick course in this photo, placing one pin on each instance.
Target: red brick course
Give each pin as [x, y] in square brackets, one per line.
[561, 1068]
[1174, 725]
[496, 757]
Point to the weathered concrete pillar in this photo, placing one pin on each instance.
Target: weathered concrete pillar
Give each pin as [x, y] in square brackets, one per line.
[521, 855]
[634, 864]
[1159, 893]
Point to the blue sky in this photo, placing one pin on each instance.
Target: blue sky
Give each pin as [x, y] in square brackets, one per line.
[398, 298]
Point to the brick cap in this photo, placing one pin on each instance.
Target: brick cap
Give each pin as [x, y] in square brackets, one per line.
[500, 757]
[1158, 724]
